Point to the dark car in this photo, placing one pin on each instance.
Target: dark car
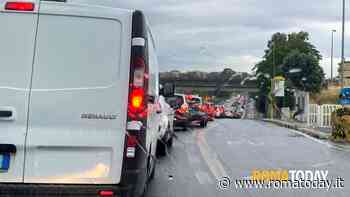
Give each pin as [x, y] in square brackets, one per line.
[182, 114]
[197, 116]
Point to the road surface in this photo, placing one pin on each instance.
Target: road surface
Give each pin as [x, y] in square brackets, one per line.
[233, 148]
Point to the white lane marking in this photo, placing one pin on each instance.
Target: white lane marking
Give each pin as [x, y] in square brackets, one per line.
[212, 126]
[203, 178]
[209, 157]
[245, 141]
[255, 144]
[318, 165]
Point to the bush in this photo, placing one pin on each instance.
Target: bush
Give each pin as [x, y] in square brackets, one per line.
[341, 124]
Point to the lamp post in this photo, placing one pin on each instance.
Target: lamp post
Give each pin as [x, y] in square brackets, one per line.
[332, 47]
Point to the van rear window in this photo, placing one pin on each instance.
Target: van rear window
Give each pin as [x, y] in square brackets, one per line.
[77, 52]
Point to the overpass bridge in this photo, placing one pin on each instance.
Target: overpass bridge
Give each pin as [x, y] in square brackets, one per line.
[210, 87]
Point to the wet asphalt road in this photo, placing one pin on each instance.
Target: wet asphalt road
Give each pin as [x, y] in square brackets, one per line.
[233, 148]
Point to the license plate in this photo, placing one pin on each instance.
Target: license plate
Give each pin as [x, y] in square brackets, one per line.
[5, 162]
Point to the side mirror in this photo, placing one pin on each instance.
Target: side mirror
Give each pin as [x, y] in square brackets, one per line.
[161, 89]
[167, 90]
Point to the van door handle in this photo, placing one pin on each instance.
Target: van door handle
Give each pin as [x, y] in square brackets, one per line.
[8, 148]
[7, 113]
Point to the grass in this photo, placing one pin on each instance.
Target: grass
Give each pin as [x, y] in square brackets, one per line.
[326, 96]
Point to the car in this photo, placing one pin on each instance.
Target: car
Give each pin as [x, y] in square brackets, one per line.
[197, 116]
[237, 111]
[78, 99]
[344, 96]
[182, 115]
[210, 110]
[219, 111]
[166, 131]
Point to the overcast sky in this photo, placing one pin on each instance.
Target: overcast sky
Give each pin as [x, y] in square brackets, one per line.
[212, 34]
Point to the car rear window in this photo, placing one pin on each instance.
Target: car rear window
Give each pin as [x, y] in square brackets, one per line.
[175, 101]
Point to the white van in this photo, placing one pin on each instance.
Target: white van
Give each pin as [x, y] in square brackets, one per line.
[78, 88]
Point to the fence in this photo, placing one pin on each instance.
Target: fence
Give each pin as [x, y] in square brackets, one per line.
[320, 115]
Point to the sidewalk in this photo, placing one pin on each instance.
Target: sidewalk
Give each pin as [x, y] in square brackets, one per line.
[317, 133]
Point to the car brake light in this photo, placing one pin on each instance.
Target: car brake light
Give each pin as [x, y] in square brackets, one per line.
[20, 6]
[184, 108]
[106, 193]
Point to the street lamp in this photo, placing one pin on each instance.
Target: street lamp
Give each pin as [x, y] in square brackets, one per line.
[295, 70]
[333, 31]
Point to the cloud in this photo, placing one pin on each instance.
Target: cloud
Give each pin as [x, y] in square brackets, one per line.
[207, 35]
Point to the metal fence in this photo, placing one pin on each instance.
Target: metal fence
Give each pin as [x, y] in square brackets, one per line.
[320, 115]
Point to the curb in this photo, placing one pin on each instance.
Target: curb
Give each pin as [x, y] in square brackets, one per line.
[307, 131]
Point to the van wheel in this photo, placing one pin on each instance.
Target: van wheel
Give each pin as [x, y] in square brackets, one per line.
[161, 149]
[153, 171]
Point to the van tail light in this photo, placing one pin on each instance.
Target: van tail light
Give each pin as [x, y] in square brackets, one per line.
[138, 92]
[131, 146]
[138, 85]
[137, 99]
[20, 6]
[137, 107]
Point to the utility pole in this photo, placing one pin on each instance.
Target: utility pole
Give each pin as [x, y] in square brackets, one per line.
[272, 79]
[342, 48]
[333, 31]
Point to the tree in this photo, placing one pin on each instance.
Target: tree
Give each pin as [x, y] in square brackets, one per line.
[280, 46]
[295, 50]
[225, 77]
[310, 75]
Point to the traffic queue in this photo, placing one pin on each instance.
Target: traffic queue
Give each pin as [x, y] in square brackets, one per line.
[191, 110]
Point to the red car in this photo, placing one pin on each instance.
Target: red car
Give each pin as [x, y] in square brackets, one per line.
[219, 111]
[209, 109]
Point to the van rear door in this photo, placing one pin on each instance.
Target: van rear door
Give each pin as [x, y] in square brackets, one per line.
[17, 38]
[77, 119]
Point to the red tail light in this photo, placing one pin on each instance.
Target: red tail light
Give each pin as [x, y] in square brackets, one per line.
[137, 99]
[20, 6]
[132, 141]
[131, 146]
[106, 193]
